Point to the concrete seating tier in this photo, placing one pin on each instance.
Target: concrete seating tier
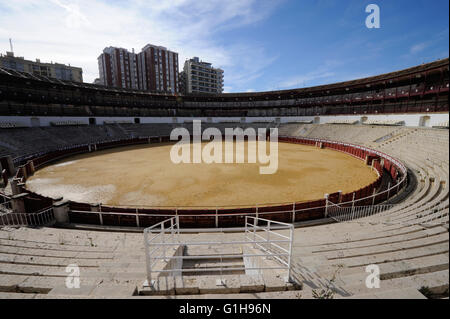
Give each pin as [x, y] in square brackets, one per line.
[409, 242]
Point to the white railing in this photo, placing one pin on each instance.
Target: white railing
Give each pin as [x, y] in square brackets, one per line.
[42, 218]
[164, 250]
[349, 213]
[273, 248]
[434, 216]
[5, 206]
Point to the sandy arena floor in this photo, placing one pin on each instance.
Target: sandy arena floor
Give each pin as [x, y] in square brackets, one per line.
[145, 175]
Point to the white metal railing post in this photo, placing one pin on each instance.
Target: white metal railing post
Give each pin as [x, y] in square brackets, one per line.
[268, 236]
[291, 239]
[163, 240]
[171, 230]
[100, 214]
[137, 218]
[255, 224]
[246, 228]
[353, 206]
[326, 205]
[217, 217]
[293, 213]
[388, 189]
[148, 258]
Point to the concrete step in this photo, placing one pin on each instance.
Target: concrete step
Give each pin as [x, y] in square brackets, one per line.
[379, 241]
[395, 269]
[406, 293]
[386, 248]
[51, 246]
[46, 261]
[379, 258]
[12, 295]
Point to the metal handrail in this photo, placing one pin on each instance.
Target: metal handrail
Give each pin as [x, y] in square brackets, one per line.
[41, 218]
[168, 237]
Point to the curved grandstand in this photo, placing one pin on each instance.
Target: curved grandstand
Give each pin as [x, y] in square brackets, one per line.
[397, 123]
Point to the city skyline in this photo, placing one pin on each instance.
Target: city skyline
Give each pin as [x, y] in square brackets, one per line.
[261, 45]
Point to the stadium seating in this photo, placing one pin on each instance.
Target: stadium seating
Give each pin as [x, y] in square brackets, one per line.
[409, 242]
[383, 122]
[7, 125]
[349, 122]
[68, 123]
[442, 125]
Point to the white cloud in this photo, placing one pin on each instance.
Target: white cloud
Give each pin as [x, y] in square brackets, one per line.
[77, 31]
[418, 47]
[302, 80]
[227, 89]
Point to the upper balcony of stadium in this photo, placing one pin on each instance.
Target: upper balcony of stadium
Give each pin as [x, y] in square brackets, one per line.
[422, 88]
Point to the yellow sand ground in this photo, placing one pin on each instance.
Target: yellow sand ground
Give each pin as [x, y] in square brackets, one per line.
[145, 175]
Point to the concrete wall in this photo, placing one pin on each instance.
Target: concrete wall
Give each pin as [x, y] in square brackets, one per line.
[176, 263]
[409, 119]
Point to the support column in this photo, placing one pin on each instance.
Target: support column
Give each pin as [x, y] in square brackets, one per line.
[24, 172]
[18, 204]
[61, 211]
[32, 169]
[10, 168]
[97, 208]
[4, 178]
[326, 205]
[15, 186]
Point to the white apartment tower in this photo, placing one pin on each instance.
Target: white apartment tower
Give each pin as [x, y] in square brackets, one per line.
[201, 77]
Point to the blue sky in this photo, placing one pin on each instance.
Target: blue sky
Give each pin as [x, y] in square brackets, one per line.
[260, 44]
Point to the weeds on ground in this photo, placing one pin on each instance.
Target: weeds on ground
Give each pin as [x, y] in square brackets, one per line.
[328, 292]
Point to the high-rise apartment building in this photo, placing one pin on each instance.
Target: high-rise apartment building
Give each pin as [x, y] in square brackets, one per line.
[52, 70]
[159, 69]
[118, 68]
[201, 77]
[153, 69]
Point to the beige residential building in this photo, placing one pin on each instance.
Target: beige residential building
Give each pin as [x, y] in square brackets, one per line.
[201, 77]
[52, 70]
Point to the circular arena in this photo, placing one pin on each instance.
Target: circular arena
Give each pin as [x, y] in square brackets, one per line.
[145, 176]
[362, 179]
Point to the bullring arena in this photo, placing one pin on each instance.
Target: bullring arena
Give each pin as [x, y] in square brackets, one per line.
[362, 180]
[146, 176]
